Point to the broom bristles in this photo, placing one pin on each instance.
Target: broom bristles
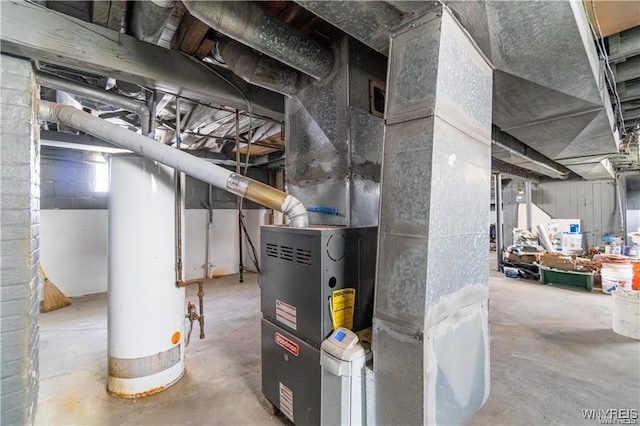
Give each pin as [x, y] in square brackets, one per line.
[53, 297]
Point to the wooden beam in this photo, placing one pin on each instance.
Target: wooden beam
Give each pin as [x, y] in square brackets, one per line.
[108, 14]
[613, 16]
[190, 34]
[116, 14]
[32, 31]
[205, 48]
[100, 12]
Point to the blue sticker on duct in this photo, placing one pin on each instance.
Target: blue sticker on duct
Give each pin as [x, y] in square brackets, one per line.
[339, 335]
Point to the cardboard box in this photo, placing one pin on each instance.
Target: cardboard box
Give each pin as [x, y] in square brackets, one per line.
[527, 258]
[557, 261]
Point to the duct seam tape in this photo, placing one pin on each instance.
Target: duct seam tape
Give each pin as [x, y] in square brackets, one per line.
[237, 184]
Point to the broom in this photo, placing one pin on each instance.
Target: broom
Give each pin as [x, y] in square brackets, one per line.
[53, 297]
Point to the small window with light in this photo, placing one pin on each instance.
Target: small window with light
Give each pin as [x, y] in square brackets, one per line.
[101, 174]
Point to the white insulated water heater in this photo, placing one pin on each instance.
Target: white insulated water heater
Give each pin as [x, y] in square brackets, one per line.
[146, 309]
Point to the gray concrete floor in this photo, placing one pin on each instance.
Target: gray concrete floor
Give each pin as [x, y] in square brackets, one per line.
[553, 353]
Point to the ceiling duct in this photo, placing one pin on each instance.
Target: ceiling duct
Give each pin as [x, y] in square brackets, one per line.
[367, 21]
[509, 149]
[148, 20]
[248, 24]
[548, 90]
[257, 69]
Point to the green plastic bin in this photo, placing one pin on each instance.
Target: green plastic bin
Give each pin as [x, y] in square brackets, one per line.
[570, 279]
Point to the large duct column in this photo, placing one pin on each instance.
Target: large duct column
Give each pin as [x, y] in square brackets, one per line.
[146, 309]
[334, 142]
[430, 326]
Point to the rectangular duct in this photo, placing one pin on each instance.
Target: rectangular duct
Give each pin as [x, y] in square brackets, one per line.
[334, 143]
[430, 327]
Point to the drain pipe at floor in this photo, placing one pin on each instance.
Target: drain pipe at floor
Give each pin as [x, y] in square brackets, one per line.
[201, 169]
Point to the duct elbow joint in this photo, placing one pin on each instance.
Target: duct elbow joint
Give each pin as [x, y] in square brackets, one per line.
[296, 212]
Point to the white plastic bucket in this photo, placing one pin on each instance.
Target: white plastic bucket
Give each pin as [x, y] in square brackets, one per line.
[616, 276]
[626, 313]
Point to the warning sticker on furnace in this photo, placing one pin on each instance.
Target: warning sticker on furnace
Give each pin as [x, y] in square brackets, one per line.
[286, 314]
[286, 401]
[342, 307]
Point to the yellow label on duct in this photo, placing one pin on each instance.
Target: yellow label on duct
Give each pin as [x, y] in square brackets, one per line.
[342, 306]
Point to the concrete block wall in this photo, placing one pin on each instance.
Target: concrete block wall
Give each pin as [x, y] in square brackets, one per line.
[67, 180]
[19, 230]
[74, 224]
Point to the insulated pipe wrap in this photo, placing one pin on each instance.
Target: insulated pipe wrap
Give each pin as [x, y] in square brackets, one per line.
[187, 163]
[95, 94]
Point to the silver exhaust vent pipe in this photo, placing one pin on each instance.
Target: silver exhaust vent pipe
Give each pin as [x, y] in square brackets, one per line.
[217, 176]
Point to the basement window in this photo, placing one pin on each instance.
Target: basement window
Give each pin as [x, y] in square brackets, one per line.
[101, 174]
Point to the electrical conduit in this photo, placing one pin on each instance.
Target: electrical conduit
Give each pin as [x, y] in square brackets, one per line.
[217, 176]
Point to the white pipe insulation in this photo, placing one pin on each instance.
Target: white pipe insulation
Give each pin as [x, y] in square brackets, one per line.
[193, 166]
[99, 95]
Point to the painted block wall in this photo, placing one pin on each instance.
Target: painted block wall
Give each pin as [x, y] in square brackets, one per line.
[74, 229]
[74, 245]
[19, 223]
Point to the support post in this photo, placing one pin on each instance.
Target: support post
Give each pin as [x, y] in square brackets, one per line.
[239, 200]
[527, 189]
[498, 201]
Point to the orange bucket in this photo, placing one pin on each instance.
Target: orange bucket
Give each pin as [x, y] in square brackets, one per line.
[635, 285]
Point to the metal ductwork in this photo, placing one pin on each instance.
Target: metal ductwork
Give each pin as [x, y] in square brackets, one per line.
[367, 21]
[164, 3]
[562, 115]
[96, 94]
[257, 69]
[193, 166]
[248, 24]
[509, 149]
[334, 143]
[148, 19]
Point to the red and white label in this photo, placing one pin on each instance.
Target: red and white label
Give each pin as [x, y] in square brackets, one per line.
[287, 344]
[286, 401]
[286, 314]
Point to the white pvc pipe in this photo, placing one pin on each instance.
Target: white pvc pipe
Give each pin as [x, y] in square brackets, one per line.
[544, 239]
[187, 163]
